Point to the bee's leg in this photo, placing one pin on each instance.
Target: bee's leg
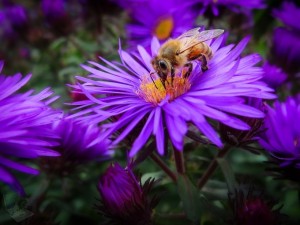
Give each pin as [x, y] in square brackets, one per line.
[172, 75]
[190, 68]
[203, 63]
[163, 81]
[153, 80]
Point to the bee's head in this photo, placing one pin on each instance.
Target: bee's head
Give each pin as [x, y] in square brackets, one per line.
[161, 66]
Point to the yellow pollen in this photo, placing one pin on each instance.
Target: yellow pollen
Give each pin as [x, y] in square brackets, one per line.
[155, 92]
[164, 28]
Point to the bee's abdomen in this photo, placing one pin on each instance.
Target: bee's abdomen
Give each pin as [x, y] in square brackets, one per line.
[206, 50]
[200, 49]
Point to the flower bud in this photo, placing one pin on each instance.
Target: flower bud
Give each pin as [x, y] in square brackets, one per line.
[124, 199]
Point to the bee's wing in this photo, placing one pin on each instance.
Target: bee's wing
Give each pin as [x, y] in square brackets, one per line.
[194, 37]
[190, 33]
[209, 34]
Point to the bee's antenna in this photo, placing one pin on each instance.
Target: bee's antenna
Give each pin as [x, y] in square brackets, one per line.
[152, 78]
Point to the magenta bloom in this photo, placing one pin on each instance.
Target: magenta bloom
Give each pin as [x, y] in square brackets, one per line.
[273, 75]
[282, 136]
[125, 92]
[24, 127]
[234, 5]
[162, 19]
[124, 199]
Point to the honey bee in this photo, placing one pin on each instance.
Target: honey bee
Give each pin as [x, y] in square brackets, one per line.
[178, 53]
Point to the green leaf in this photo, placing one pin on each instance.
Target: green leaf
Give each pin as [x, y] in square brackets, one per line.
[228, 174]
[58, 43]
[190, 198]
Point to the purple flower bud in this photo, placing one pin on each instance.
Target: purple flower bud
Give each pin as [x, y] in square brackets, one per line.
[124, 199]
[251, 208]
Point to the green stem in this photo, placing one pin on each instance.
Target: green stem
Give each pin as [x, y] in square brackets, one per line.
[179, 161]
[212, 166]
[163, 166]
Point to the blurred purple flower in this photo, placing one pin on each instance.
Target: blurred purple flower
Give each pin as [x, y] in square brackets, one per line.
[78, 144]
[162, 19]
[282, 136]
[286, 49]
[24, 127]
[127, 93]
[289, 14]
[13, 19]
[273, 75]
[54, 9]
[286, 40]
[234, 5]
[124, 199]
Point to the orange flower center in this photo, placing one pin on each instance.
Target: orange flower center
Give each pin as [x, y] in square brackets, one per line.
[164, 28]
[155, 92]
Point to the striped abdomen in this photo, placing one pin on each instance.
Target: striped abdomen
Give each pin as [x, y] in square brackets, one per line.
[200, 49]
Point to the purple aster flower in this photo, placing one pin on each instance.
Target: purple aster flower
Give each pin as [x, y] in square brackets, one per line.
[273, 75]
[24, 127]
[234, 5]
[129, 204]
[78, 144]
[127, 94]
[286, 40]
[281, 138]
[162, 19]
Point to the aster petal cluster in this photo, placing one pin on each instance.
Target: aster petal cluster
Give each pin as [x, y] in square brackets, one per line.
[281, 138]
[162, 19]
[234, 5]
[77, 144]
[126, 93]
[124, 199]
[24, 124]
[286, 40]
